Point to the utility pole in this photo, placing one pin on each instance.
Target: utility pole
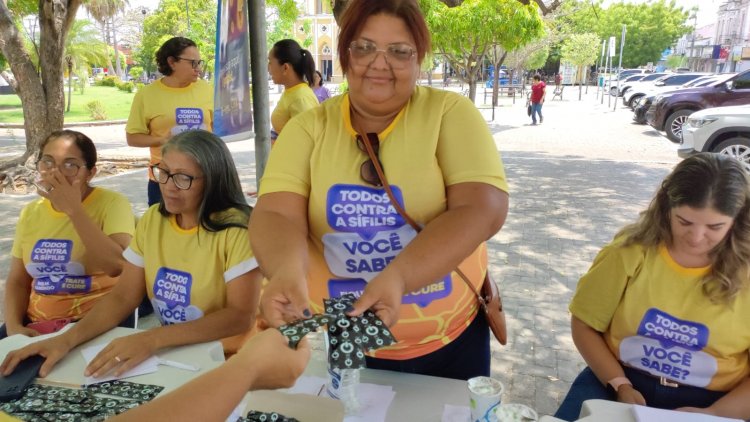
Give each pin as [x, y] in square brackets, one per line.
[256, 10]
[692, 42]
[599, 70]
[619, 66]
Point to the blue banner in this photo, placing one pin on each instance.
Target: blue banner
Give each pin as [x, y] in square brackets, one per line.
[232, 100]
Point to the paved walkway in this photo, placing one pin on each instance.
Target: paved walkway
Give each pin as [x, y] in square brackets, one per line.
[575, 180]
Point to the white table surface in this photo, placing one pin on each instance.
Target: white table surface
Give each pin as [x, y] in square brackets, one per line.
[600, 411]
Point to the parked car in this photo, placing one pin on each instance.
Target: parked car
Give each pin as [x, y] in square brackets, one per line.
[724, 130]
[667, 83]
[648, 79]
[671, 110]
[642, 104]
[632, 78]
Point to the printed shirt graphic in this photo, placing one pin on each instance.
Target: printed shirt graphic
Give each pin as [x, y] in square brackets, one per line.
[160, 110]
[187, 270]
[293, 101]
[655, 317]
[64, 283]
[354, 229]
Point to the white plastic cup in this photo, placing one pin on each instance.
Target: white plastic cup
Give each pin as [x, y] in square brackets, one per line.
[485, 394]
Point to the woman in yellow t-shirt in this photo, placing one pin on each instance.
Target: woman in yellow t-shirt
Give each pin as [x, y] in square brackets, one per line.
[292, 66]
[67, 252]
[661, 317]
[190, 255]
[324, 225]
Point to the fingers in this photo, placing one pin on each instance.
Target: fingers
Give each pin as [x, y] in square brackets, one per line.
[279, 309]
[15, 357]
[49, 362]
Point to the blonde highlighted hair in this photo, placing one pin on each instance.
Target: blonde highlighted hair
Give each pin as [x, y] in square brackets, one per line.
[704, 180]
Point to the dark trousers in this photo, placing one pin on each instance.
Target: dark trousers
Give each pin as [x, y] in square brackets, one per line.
[154, 193]
[587, 386]
[465, 357]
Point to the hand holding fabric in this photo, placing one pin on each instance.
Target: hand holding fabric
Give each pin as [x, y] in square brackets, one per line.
[383, 295]
[284, 300]
[270, 362]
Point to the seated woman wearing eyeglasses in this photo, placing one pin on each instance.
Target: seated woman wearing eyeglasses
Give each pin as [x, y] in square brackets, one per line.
[67, 252]
[190, 254]
[324, 226]
[177, 102]
[292, 66]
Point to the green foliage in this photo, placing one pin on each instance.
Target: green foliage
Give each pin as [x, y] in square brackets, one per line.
[96, 110]
[280, 17]
[108, 81]
[673, 62]
[139, 86]
[651, 26]
[83, 45]
[135, 72]
[343, 87]
[169, 20]
[125, 86]
[580, 49]
[537, 58]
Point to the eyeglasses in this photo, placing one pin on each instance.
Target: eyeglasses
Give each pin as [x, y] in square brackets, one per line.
[68, 168]
[196, 64]
[181, 181]
[397, 56]
[367, 170]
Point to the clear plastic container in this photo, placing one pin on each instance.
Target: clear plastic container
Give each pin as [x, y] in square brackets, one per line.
[343, 385]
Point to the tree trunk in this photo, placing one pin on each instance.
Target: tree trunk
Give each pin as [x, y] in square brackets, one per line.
[42, 98]
[118, 66]
[105, 30]
[70, 82]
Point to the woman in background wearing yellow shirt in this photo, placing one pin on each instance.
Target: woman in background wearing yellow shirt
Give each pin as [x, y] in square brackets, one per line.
[292, 66]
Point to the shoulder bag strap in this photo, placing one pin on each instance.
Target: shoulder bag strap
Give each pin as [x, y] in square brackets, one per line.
[381, 175]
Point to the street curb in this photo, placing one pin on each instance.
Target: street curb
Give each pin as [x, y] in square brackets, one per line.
[66, 125]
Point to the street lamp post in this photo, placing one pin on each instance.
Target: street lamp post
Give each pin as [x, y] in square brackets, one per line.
[692, 41]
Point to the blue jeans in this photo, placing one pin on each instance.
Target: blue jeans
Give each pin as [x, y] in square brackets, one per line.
[465, 357]
[586, 387]
[536, 108]
[154, 193]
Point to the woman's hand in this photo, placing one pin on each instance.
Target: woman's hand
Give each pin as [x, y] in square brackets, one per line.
[383, 295]
[52, 349]
[284, 300]
[627, 394]
[269, 360]
[122, 354]
[65, 197]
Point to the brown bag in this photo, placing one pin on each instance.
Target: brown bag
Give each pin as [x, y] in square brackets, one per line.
[488, 298]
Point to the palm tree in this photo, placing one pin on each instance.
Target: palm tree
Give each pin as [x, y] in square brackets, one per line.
[104, 11]
[82, 48]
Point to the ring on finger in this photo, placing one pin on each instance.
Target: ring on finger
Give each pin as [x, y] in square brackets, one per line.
[117, 358]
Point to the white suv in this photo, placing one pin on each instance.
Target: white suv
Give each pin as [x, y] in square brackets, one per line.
[725, 130]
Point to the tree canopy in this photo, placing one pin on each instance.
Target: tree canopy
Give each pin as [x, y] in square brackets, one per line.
[651, 27]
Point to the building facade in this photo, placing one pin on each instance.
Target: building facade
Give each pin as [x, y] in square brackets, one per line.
[317, 29]
[732, 36]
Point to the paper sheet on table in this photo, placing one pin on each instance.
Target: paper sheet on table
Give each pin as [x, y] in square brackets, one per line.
[374, 399]
[650, 414]
[453, 413]
[18, 341]
[148, 366]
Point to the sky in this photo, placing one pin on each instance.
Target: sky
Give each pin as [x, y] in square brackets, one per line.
[706, 8]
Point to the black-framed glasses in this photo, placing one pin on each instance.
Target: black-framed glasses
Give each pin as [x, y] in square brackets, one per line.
[398, 56]
[68, 167]
[181, 181]
[196, 64]
[367, 170]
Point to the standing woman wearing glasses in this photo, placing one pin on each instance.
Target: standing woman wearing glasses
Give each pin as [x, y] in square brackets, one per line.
[190, 255]
[292, 66]
[324, 226]
[177, 102]
[67, 252]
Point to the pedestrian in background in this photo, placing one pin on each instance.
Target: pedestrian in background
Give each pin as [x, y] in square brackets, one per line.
[320, 90]
[538, 92]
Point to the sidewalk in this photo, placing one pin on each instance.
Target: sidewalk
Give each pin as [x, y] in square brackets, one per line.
[574, 181]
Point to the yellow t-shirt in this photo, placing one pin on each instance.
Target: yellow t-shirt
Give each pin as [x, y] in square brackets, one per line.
[655, 317]
[187, 270]
[65, 284]
[293, 101]
[439, 139]
[160, 110]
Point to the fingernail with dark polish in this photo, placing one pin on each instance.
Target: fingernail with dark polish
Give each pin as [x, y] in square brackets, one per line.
[349, 308]
[307, 313]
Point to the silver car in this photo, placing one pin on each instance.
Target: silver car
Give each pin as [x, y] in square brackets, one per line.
[724, 130]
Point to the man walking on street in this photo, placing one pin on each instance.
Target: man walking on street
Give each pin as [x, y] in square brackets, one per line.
[538, 92]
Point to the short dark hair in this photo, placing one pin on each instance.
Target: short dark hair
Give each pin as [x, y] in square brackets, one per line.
[537, 77]
[302, 62]
[83, 142]
[173, 47]
[222, 189]
[320, 83]
[356, 14]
